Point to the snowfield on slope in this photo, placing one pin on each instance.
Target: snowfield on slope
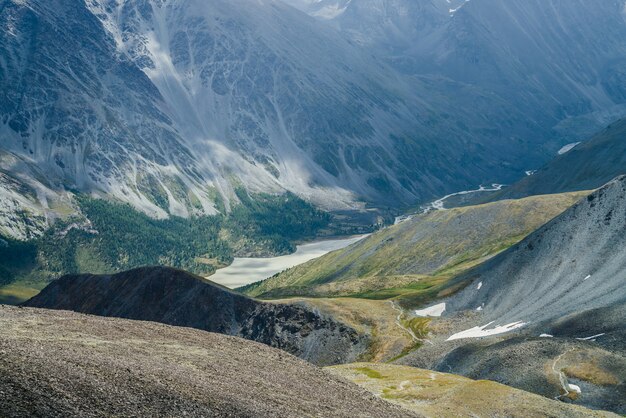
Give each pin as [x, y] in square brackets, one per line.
[479, 332]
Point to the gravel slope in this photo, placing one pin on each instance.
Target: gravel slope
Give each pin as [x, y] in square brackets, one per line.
[574, 263]
[64, 364]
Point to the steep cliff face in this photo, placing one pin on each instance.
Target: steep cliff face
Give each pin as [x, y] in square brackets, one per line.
[82, 113]
[311, 111]
[177, 298]
[170, 105]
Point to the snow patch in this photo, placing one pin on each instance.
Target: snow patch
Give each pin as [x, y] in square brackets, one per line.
[435, 310]
[574, 388]
[546, 336]
[479, 332]
[479, 286]
[452, 11]
[567, 148]
[587, 278]
[592, 338]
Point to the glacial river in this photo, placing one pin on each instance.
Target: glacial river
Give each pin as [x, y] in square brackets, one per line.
[440, 203]
[244, 271]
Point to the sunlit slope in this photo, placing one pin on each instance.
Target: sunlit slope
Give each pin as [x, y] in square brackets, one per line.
[440, 394]
[417, 257]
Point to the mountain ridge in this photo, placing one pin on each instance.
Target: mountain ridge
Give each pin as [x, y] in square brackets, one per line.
[178, 298]
[588, 165]
[418, 255]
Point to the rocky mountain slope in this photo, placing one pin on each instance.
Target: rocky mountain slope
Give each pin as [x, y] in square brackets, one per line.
[55, 363]
[418, 255]
[588, 165]
[553, 306]
[178, 298]
[583, 363]
[171, 105]
[559, 65]
[574, 262]
[82, 113]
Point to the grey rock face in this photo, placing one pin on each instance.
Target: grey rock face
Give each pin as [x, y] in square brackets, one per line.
[576, 262]
[310, 111]
[178, 298]
[555, 67]
[78, 110]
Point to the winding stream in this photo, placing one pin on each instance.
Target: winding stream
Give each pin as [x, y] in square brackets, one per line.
[439, 204]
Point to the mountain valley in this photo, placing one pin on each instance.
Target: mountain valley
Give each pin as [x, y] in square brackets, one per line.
[418, 256]
[320, 208]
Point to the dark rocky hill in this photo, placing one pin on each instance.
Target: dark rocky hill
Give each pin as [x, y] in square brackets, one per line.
[178, 298]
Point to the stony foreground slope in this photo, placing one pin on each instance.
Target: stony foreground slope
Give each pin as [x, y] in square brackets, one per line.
[418, 254]
[64, 364]
[178, 298]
